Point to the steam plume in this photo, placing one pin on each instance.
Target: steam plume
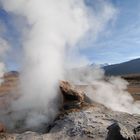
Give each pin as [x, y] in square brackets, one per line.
[52, 32]
[53, 26]
[109, 91]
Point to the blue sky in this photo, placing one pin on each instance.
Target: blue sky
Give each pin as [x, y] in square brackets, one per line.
[12, 35]
[121, 44]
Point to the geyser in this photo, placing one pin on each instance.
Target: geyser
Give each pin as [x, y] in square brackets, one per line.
[50, 35]
[51, 27]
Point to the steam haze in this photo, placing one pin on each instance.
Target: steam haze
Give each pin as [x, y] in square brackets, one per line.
[109, 91]
[53, 26]
[54, 32]
[4, 47]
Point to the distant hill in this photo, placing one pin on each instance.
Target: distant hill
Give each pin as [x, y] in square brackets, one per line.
[129, 67]
[10, 82]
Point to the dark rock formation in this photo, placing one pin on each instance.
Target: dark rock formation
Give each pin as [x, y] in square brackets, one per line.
[137, 132]
[114, 132]
[72, 97]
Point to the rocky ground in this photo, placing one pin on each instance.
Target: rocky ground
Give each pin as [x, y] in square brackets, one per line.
[134, 85]
[82, 119]
[91, 122]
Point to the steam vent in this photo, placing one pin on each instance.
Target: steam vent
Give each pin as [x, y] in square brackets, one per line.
[79, 118]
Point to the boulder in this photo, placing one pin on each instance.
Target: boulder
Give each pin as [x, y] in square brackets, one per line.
[70, 93]
[72, 97]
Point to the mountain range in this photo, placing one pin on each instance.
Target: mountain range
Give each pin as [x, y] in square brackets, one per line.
[125, 68]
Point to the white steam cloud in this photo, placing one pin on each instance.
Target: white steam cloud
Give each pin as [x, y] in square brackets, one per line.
[109, 91]
[4, 47]
[52, 31]
[54, 26]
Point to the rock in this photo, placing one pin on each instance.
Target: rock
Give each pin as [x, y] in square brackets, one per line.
[72, 98]
[137, 132]
[96, 122]
[88, 123]
[70, 93]
[114, 132]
